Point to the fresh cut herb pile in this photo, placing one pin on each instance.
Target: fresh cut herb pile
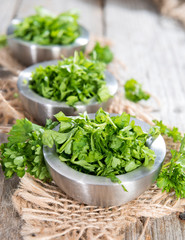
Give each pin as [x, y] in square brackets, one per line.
[101, 53]
[75, 79]
[134, 91]
[106, 146]
[45, 29]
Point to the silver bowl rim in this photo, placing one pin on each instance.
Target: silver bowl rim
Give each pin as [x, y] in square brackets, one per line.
[85, 36]
[31, 95]
[52, 160]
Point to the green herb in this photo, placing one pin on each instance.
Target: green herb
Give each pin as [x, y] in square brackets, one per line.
[23, 153]
[3, 41]
[45, 29]
[100, 53]
[173, 133]
[16, 95]
[172, 175]
[75, 79]
[134, 91]
[107, 146]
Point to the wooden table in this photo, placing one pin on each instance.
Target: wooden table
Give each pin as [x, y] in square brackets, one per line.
[153, 50]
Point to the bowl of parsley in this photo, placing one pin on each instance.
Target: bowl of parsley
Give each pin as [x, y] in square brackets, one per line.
[103, 159]
[43, 36]
[73, 85]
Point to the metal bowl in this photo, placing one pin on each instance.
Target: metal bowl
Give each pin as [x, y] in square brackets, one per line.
[100, 191]
[42, 108]
[29, 53]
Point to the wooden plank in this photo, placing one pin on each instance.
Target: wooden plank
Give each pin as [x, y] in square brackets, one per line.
[152, 47]
[8, 9]
[90, 11]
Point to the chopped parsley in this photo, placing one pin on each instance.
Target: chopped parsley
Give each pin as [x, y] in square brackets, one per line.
[75, 79]
[100, 53]
[134, 91]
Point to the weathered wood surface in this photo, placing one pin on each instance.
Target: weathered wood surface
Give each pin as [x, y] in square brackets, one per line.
[152, 48]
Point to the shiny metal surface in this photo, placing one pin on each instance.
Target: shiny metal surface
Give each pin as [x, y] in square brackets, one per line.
[42, 108]
[30, 53]
[100, 191]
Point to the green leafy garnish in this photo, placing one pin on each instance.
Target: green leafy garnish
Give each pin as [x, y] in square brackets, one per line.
[172, 175]
[106, 146]
[23, 153]
[173, 133]
[75, 79]
[100, 53]
[45, 29]
[3, 40]
[134, 91]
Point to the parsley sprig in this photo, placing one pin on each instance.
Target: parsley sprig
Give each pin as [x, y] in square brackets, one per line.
[134, 91]
[172, 174]
[23, 152]
[101, 53]
[173, 133]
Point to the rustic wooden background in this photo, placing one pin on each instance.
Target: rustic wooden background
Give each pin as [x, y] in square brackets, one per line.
[153, 50]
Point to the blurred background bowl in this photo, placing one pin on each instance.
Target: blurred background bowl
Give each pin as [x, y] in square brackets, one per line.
[101, 191]
[29, 53]
[41, 108]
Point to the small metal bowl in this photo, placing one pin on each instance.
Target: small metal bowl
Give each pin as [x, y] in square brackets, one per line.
[100, 191]
[42, 108]
[29, 53]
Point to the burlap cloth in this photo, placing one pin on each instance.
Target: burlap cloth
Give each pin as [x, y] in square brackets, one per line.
[47, 212]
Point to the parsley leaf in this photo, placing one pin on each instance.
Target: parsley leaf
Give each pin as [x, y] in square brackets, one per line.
[173, 133]
[75, 79]
[102, 54]
[23, 153]
[134, 91]
[172, 175]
